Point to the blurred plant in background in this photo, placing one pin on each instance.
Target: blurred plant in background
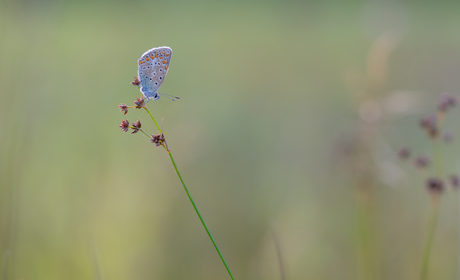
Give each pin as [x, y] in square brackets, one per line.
[263, 103]
[433, 125]
[355, 153]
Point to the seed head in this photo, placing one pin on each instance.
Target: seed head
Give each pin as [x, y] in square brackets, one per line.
[404, 153]
[124, 125]
[428, 121]
[435, 185]
[140, 103]
[136, 82]
[123, 108]
[158, 139]
[430, 126]
[453, 100]
[136, 126]
[446, 101]
[421, 162]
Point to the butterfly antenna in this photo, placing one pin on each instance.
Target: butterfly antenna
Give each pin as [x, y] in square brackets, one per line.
[172, 97]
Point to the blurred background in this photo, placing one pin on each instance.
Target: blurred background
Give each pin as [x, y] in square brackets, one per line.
[289, 123]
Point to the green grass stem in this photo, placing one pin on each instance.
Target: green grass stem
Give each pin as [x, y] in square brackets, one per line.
[430, 233]
[193, 202]
[434, 208]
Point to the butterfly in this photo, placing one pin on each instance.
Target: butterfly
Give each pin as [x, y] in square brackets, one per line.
[153, 66]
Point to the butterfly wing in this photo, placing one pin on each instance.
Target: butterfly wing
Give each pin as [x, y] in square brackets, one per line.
[153, 66]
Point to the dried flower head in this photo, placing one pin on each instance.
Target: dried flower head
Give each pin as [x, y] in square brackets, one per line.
[123, 108]
[453, 100]
[421, 162]
[404, 153]
[454, 181]
[435, 185]
[136, 126]
[140, 103]
[136, 82]
[448, 136]
[429, 123]
[124, 125]
[158, 139]
[446, 101]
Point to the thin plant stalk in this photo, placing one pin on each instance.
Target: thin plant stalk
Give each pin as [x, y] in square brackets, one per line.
[191, 199]
[431, 229]
[367, 246]
[458, 265]
[279, 256]
[437, 149]
[434, 208]
[159, 129]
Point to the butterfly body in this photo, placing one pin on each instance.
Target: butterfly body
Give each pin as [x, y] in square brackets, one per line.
[153, 66]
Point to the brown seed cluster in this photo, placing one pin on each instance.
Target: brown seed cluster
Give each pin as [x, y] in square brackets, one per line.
[124, 125]
[433, 126]
[421, 162]
[429, 124]
[136, 82]
[158, 139]
[404, 153]
[435, 185]
[140, 102]
[123, 108]
[446, 102]
[136, 126]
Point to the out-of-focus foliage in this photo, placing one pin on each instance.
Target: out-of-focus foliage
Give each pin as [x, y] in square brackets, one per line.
[275, 96]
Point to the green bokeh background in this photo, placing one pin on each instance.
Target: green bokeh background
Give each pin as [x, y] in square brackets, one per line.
[270, 91]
